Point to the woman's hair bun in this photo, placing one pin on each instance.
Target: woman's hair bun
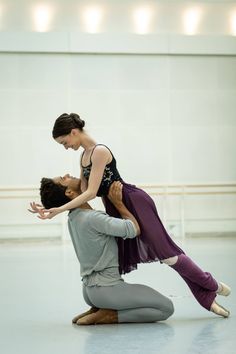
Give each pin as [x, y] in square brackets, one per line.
[77, 120]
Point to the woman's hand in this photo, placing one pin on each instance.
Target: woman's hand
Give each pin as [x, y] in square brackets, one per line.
[49, 213]
[35, 208]
[44, 213]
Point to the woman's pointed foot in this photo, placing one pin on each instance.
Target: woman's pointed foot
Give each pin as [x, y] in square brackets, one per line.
[223, 289]
[219, 310]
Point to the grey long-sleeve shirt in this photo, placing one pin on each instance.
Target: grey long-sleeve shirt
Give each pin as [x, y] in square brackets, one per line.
[93, 235]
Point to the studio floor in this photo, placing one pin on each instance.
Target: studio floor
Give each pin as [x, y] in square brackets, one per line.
[41, 293]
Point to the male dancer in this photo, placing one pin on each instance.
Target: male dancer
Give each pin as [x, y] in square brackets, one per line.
[93, 235]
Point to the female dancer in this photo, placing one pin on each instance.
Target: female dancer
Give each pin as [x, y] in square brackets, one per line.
[98, 172]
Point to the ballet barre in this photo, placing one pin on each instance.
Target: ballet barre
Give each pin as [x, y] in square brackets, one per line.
[161, 193]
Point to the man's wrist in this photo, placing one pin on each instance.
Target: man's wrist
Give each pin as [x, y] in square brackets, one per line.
[118, 205]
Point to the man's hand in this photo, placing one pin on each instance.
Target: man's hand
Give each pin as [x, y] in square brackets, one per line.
[115, 196]
[115, 193]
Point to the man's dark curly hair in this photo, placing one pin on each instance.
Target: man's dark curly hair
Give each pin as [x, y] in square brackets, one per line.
[52, 194]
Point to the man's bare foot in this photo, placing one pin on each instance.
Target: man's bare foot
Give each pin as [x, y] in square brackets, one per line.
[92, 310]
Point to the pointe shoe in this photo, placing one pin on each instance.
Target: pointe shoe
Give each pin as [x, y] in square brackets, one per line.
[90, 311]
[223, 289]
[219, 310]
[102, 316]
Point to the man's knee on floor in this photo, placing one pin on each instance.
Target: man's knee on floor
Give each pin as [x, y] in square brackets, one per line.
[168, 309]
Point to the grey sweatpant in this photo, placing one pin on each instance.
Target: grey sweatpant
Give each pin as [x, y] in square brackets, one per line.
[134, 302]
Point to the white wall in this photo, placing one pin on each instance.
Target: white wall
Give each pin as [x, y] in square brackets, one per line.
[164, 103]
[168, 119]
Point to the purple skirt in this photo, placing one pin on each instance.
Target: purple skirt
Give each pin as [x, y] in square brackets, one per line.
[154, 243]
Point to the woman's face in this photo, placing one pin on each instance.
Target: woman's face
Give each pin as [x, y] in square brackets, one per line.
[70, 141]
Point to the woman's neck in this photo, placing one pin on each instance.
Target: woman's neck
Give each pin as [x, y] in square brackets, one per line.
[87, 142]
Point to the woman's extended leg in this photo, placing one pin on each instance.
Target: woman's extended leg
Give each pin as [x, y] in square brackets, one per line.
[203, 286]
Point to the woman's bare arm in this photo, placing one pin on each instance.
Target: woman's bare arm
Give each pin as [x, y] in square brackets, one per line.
[100, 158]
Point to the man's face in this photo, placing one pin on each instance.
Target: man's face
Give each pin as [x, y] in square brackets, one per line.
[68, 181]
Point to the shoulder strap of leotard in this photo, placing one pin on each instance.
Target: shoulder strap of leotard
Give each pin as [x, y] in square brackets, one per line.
[94, 149]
